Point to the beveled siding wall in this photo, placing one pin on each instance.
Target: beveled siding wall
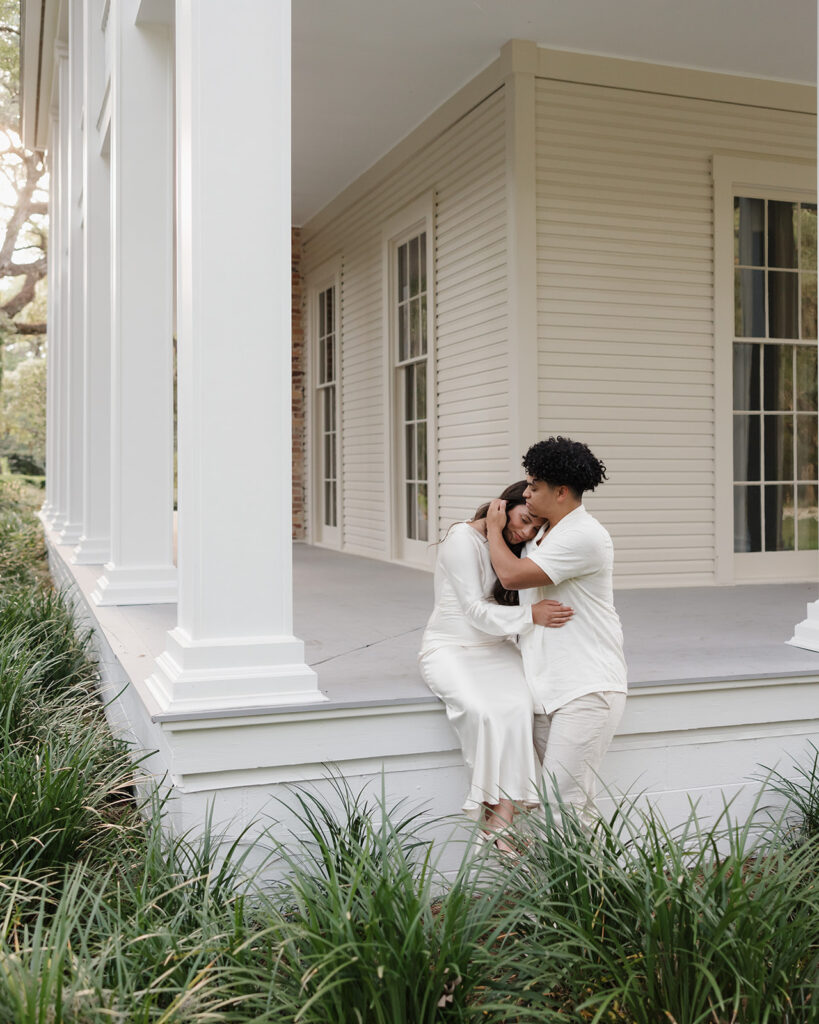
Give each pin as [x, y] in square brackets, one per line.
[465, 168]
[626, 304]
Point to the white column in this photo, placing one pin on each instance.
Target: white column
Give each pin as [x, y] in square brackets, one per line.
[234, 644]
[49, 509]
[63, 207]
[141, 567]
[95, 543]
[72, 527]
[520, 59]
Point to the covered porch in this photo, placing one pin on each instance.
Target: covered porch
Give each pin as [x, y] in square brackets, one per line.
[715, 692]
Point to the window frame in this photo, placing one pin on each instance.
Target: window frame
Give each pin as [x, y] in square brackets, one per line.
[411, 221]
[756, 179]
[328, 275]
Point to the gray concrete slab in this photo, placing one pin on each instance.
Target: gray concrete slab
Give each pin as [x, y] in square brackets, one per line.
[362, 620]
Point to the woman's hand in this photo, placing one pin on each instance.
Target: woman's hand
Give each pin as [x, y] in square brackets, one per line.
[496, 516]
[551, 613]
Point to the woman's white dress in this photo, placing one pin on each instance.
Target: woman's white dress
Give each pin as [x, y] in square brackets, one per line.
[468, 660]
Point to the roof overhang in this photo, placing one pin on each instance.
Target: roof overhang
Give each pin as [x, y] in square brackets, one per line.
[44, 23]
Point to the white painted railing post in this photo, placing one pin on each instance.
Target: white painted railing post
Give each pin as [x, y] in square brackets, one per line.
[233, 646]
[806, 633]
[141, 569]
[51, 506]
[95, 543]
[73, 296]
[61, 207]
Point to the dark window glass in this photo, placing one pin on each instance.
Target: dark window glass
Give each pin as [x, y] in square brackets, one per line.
[807, 518]
[746, 376]
[782, 234]
[747, 519]
[749, 303]
[779, 518]
[777, 377]
[806, 378]
[779, 447]
[808, 286]
[749, 231]
[807, 236]
[746, 448]
[806, 447]
[783, 294]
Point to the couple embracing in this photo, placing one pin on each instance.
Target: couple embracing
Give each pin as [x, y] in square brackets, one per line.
[532, 566]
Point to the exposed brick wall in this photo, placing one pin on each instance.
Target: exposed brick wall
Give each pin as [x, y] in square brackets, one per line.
[299, 371]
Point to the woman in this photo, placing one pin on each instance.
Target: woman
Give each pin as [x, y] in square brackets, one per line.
[468, 661]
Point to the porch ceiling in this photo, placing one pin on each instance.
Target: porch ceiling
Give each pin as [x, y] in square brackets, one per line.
[366, 72]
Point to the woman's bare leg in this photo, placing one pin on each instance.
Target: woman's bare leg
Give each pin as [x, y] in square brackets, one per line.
[499, 817]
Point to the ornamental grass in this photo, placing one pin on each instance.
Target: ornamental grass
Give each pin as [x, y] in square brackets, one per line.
[347, 918]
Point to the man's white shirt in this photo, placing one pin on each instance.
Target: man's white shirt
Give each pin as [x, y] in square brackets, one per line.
[585, 655]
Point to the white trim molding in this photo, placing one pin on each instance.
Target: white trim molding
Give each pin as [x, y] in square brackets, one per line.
[770, 179]
[418, 216]
[328, 275]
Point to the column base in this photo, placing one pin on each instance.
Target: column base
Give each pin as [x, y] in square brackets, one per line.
[806, 633]
[151, 585]
[70, 533]
[92, 551]
[215, 676]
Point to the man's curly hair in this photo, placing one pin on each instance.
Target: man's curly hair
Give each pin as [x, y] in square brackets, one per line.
[559, 460]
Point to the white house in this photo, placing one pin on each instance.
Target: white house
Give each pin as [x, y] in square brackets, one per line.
[505, 221]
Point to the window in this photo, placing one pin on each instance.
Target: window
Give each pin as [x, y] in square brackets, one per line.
[775, 414]
[411, 363]
[411, 423]
[323, 307]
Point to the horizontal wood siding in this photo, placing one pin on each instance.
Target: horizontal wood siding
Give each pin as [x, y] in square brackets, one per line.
[465, 169]
[626, 304]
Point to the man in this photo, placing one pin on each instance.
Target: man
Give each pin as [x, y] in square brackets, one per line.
[577, 674]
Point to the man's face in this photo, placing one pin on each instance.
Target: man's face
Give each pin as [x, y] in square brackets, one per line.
[541, 499]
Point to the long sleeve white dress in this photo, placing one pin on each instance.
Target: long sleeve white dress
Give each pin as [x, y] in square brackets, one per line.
[468, 660]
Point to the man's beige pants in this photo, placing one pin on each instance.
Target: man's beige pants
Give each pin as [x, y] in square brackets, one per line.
[571, 743]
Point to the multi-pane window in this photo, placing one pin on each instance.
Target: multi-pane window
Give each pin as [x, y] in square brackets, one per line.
[775, 376]
[327, 358]
[411, 364]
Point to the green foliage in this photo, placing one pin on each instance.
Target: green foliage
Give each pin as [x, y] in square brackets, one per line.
[24, 403]
[105, 917]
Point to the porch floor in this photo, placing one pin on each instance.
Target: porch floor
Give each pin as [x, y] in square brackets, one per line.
[362, 620]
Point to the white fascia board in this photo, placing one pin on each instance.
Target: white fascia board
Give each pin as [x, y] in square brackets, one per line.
[39, 32]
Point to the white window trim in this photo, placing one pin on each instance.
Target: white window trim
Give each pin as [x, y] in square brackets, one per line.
[764, 179]
[412, 219]
[327, 275]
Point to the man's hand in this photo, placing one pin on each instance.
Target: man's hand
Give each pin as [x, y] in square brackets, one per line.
[496, 516]
[551, 613]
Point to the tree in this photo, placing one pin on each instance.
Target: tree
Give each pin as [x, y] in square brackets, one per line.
[23, 265]
[24, 392]
[24, 201]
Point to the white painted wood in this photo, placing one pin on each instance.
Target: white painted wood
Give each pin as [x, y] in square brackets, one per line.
[418, 216]
[627, 314]
[49, 509]
[320, 279]
[806, 633]
[771, 179]
[233, 645]
[61, 207]
[94, 546]
[466, 167]
[141, 567]
[520, 282]
[72, 527]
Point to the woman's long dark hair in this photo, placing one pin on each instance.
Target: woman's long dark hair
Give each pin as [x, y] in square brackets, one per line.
[513, 495]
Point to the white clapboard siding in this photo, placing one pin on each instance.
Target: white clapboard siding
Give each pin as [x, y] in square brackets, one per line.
[465, 168]
[626, 303]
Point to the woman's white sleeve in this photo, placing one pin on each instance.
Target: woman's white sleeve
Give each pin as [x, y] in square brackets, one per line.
[460, 560]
